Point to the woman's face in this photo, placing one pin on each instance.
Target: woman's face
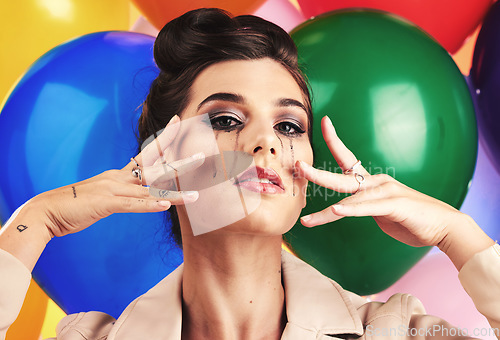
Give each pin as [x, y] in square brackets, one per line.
[255, 108]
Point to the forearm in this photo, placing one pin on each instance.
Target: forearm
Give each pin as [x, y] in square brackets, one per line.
[464, 239]
[25, 235]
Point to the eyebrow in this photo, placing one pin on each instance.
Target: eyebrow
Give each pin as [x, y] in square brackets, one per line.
[224, 96]
[284, 102]
[239, 99]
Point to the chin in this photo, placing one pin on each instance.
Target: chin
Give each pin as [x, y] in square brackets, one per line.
[267, 222]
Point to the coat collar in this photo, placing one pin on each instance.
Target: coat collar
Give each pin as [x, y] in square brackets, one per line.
[315, 306]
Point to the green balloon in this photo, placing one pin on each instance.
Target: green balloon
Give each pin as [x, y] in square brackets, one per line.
[401, 105]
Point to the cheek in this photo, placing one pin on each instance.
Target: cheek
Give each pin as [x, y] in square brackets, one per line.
[227, 141]
[304, 153]
[299, 150]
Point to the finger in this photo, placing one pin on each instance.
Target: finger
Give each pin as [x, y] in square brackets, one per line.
[378, 207]
[116, 188]
[338, 182]
[175, 197]
[161, 174]
[387, 190]
[321, 217]
[156, 148]
[343, 156]
[384, 186]
[120, 204]
[119, 189]
[383, 189]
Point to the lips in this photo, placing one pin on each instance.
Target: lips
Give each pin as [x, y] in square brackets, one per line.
[264, 180]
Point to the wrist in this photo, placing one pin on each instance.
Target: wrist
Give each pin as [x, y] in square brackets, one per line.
[464, 239]
[34, 215]
[26, 235]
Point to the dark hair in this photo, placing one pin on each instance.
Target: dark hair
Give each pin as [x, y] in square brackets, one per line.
[197, 39]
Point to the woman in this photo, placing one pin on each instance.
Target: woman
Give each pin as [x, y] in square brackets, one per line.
[235, 282]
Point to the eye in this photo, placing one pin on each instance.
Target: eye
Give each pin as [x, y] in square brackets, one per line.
[289, 128]
[224, 122]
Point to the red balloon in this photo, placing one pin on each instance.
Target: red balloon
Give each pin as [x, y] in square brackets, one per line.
[450, 22]
[159, 12]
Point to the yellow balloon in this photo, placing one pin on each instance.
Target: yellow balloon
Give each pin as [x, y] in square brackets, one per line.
[29, 28]
[53, 315]
[30, 320]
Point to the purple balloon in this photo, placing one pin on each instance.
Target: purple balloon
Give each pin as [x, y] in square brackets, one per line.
[483, 198]
[485, 75]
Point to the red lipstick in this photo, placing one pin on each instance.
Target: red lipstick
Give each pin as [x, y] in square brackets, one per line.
[263, 180]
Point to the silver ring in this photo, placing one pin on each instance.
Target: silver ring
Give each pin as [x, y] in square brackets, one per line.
[136, 164]
[136, 171]
[167, 164]
[352, 168]
[357, 176]
[360, 179]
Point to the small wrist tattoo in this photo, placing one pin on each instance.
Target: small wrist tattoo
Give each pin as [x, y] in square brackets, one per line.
[74, 192]
[21, 228]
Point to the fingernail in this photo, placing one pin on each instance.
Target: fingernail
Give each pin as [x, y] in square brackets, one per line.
[302, 164]
[174, 120]
[164, 203]
[337, 207]
[306, 218]
[191, 195]
[199, 155]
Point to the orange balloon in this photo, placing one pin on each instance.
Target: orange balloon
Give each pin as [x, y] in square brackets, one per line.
[463, 57]
[159, 12]
[32, 27]
[30, 320]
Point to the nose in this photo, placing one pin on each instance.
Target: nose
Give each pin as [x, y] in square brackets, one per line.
[263, 140]
[259, 148]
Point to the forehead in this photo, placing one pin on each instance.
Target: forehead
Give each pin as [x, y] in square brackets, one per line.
[262, 80]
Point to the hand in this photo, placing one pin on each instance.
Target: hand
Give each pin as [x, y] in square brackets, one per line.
[401, 212]
[74, 207]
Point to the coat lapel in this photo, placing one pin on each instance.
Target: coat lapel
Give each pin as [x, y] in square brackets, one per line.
[155, 315]
[315, 304]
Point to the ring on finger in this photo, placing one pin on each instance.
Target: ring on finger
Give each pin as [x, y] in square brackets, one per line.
[352, 168]
[360, 179]
[136, 171]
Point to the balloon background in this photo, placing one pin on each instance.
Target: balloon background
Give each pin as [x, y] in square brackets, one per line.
[401, 105]
[71, 117]
[450, 22]
[485, 77]
[31, 29]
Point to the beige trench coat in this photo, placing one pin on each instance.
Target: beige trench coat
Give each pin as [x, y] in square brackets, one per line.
[316, 307]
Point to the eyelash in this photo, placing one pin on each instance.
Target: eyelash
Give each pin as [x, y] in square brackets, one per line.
[216, 120]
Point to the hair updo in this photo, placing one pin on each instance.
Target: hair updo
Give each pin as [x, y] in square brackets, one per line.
[197, 39]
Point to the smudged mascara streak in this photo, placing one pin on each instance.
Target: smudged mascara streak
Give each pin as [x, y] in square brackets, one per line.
[216, 144]
[235, 159]
[293, 163]
[282, 151]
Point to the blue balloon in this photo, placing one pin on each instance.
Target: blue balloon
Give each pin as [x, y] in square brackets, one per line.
[72, 116]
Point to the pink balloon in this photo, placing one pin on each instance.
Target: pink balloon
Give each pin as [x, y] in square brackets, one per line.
[434, 281]
[281, 12]
[143, 26]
